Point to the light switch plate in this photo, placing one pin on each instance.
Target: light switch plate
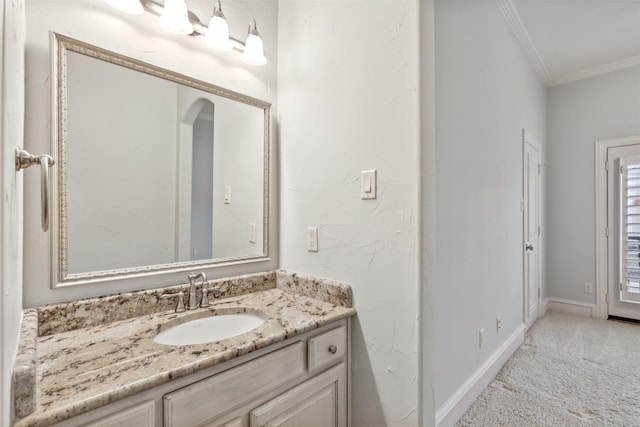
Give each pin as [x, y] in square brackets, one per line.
[368, 184]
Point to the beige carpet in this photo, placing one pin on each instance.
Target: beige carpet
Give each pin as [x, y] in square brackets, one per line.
[570, 371]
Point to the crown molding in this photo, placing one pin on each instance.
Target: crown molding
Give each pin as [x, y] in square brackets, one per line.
[596, 71]
[510, 12]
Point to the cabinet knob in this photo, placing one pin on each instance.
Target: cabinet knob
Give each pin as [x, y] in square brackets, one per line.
[333, 349]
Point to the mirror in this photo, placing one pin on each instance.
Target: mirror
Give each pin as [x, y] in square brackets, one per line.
[156, 171]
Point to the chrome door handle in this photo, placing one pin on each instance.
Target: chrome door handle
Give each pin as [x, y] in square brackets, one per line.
[529, 247]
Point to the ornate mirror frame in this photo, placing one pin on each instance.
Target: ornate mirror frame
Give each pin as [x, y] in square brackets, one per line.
[60, 276]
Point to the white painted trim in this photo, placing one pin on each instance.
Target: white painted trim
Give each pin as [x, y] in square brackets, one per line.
[426, 256]
[455, 407]
[570, 306]
[601, 309]
[596, 71]
[511, 14]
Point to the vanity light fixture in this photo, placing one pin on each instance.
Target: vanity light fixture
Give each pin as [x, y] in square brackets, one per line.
[132, 7]
[218, 32]
[175, 17]
[253, 48]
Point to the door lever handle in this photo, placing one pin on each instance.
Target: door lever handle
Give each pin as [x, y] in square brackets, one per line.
[529, 247]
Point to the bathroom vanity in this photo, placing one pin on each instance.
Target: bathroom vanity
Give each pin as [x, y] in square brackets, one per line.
[95, 362]
[291, 370]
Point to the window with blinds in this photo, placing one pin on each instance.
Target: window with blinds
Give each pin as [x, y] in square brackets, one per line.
[630, 230]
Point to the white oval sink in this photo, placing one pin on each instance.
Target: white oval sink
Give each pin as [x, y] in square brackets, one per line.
[209, 329]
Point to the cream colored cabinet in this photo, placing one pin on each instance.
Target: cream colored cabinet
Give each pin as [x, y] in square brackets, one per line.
[203, 402]
[300, 382]
[303, 384]
[318, 402]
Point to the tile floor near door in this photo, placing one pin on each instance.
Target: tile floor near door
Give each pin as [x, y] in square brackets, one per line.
[570, 371]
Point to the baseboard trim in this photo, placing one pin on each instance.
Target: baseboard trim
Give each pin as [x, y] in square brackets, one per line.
[454, 408]
[570, 306]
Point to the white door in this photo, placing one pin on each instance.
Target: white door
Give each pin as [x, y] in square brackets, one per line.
[531, 227]
[623, 223]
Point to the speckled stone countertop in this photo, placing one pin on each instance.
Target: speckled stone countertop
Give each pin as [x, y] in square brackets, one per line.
[88, 367]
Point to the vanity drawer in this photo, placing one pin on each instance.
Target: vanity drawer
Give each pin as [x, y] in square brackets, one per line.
[205, 400]
[326, 348]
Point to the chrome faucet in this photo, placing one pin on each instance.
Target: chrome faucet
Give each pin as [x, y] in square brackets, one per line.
[193, 298]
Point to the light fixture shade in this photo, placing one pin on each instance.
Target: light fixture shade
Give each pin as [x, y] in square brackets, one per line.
[218, 31]
[132, 7]
[175, 17]
[253, 48]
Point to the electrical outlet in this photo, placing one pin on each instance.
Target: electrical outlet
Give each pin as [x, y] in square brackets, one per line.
[312, 239]
[481, 337]
[227, 194]
[588, 288]
[498, 324]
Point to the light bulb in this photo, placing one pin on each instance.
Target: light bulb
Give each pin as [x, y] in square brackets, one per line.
[175, 17]
[253, 48]
[132, 7]
[218, 31]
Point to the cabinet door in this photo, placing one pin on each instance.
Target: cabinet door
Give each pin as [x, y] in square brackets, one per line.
[137, 416]
[204, 402]
[318, 402]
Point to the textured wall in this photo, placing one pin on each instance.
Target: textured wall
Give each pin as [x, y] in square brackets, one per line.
[349, 101]
[11, 134]
[486, 93]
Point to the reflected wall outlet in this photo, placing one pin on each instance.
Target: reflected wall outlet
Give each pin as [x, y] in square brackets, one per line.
[252, 232]
[227, 194]
[588, 288]
[498, 324]
[312, 239]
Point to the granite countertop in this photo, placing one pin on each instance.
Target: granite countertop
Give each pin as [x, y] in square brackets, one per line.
[85, 368]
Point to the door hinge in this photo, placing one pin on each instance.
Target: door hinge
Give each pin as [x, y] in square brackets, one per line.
[606, 166]
[606, 232]
[620, 169]
[538, 230]
[538, 292]
[606, 297]
[620, 287]
[539, 169]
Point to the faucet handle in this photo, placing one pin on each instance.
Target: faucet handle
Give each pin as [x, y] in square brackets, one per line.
[205, 300]
[180, 304]
[205, 294]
